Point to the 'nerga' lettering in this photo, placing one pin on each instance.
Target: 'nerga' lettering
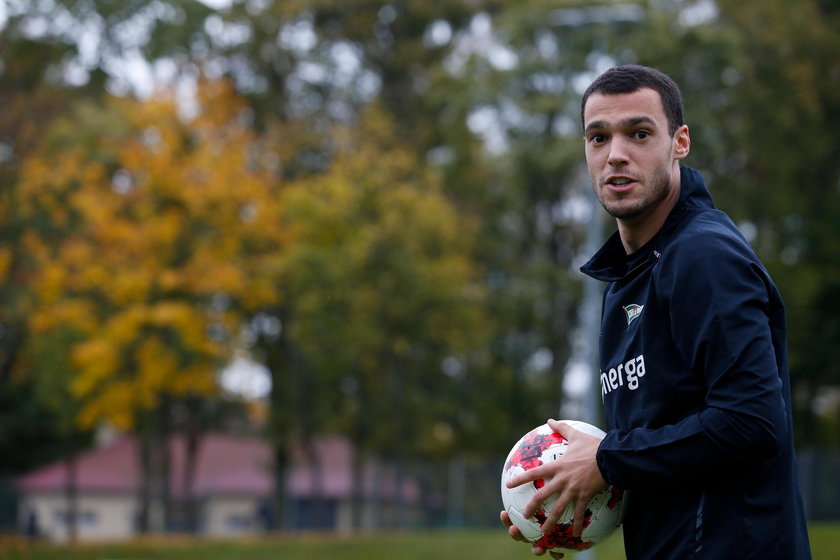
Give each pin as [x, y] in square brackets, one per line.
[627, 374]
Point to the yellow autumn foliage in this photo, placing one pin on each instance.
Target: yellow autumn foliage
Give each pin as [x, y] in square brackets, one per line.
[157, 363]
[135, 231]
[76, 312]
[117, 405]
[199, 378]
[155, 240]
[6, 256]
[98, 358]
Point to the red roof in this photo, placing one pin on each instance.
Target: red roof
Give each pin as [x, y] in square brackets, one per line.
[336, 477]
[226, 465]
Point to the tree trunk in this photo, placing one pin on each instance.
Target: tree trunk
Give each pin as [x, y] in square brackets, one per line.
[154, 492]
[11, 343]
[357, 490]
[398, 518]
[144, 489]
[192, 446]
[71, 496]
[319, 519]
[281, 418]
[163, 469]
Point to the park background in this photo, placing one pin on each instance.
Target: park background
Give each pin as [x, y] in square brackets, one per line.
[299, 219]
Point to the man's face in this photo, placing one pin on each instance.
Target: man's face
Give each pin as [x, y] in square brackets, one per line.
[632, 159]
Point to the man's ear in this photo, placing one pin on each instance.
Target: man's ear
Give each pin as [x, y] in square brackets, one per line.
[682, 142]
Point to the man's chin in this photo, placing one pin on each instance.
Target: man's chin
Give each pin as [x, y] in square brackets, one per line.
[623, 211]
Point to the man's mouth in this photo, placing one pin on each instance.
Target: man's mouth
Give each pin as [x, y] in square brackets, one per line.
[619, 182]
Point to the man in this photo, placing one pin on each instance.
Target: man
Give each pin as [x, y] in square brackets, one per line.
[694, 374]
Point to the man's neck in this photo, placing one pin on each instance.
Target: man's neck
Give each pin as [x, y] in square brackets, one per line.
[637, 231]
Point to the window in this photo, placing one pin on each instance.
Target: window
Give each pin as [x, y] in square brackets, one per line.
[239, 522]
[84, 518]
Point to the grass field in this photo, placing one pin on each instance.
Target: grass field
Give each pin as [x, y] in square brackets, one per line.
[486, 545]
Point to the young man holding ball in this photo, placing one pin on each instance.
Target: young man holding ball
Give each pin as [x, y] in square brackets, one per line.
[702, 438]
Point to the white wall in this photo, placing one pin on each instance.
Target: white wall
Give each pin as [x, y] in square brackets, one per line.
[101, 517]
[229, 516]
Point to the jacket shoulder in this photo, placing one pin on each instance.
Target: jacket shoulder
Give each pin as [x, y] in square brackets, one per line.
[708, 234]
[710, 259]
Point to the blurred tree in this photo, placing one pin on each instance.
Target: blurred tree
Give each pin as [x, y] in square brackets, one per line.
[786, 173]
[140, 250]
[33, 415]
[320, 63]
[380, 287]
[431, 67]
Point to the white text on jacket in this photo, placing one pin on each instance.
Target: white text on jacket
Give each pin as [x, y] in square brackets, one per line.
[627, 374]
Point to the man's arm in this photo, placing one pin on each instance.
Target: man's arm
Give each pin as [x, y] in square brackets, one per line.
[720, 301]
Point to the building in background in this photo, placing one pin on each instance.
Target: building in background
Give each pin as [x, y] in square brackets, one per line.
[231, 491]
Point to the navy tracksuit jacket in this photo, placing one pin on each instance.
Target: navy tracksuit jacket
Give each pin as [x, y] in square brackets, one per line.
[694, 379]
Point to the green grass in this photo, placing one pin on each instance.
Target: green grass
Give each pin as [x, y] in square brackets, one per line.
[484, 545]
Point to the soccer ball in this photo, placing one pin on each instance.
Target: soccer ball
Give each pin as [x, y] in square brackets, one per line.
[604, 513]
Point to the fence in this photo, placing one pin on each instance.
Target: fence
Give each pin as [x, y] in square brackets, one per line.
[819, 478]
[465, 492]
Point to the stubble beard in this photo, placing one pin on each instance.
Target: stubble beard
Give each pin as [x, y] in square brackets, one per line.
[657, 191]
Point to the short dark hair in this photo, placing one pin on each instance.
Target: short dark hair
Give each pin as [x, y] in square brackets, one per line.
[632, 77]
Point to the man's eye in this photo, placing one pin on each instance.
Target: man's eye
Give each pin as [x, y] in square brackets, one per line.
[597, 138]
[642, 134]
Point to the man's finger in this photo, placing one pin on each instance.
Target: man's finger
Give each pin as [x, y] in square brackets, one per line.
[513, 530]
[505, 518]
[539, 551]
[537, 501]
[580, 514]
[553, 516]
[536, 473]
[561, 428]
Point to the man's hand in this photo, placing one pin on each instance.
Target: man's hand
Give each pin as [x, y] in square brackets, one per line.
[574, 478]
[517, 536]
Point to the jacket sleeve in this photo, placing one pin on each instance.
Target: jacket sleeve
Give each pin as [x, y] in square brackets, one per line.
[720, 300]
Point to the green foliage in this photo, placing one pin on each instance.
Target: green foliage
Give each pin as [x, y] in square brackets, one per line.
[25, 419]
[380, 288]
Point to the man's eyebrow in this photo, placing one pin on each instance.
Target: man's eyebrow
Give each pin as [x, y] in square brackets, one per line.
[626, 123]
[595, 125]
[635, 121]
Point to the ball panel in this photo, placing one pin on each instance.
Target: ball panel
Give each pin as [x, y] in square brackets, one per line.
[528, 527]
[561, 536]
[528, 451]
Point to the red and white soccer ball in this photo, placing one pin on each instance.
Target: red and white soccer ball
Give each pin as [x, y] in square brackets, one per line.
[604, 513]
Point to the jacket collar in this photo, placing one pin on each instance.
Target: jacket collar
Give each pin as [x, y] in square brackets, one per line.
[611, 263]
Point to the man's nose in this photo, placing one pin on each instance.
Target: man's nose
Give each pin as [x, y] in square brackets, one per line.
[618, 152]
